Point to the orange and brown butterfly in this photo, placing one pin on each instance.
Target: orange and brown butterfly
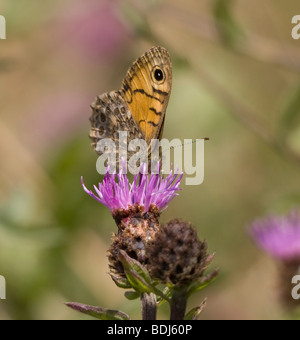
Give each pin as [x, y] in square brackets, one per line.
[139, 107]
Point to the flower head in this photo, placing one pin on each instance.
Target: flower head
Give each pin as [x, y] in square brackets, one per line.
[146, 190]
[176, 255]
[279, 235]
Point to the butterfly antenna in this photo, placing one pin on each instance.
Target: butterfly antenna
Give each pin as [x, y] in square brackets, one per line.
[192, 142]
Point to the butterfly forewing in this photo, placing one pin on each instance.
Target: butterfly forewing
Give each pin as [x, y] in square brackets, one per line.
[146, 89]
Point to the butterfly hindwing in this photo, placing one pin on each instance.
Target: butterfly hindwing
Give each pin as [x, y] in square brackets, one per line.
[110, 115]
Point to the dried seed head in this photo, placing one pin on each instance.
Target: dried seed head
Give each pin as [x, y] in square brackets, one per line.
[176, 255]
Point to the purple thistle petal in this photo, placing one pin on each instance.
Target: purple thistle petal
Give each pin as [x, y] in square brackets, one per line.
[116, 192]
[90, 192]
[278, 235]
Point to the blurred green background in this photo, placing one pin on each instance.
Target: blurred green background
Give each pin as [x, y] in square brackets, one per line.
[235, 79]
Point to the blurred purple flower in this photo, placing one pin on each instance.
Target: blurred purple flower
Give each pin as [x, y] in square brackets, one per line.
[146, 190]
[96, 28]
[53, 120]
[279, 235]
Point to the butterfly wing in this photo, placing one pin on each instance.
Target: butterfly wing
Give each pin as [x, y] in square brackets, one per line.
[110, 114]
[146, 90]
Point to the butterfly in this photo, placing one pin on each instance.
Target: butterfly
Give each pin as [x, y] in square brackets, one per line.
[139, 107]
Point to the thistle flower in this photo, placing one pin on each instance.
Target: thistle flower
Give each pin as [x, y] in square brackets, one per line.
[147, 191]
[279, 236]
[136, 208]
[143, 253]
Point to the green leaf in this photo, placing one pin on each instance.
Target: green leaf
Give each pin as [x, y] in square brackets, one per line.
[138, 276]
[230, 32]
[98, 312]
[130, 295]
[121, 282]
[167, 292]
[194, 313]
[203, 282]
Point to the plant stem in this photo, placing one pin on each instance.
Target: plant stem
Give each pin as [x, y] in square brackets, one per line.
[148, 306]
[178, 304]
